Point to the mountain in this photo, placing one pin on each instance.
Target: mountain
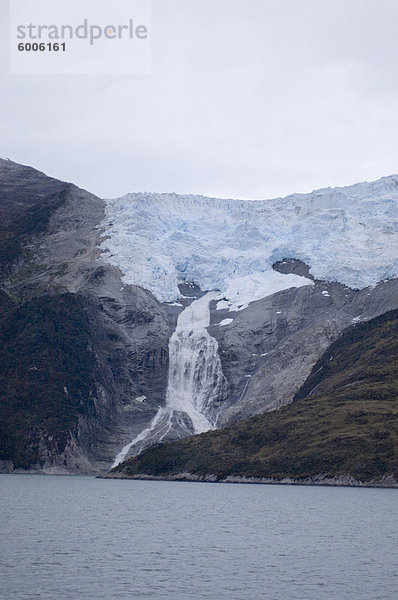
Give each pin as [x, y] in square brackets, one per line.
[149, 318]
[342, 426]
[77, 347]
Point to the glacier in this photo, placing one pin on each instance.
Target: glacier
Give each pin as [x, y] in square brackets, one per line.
[346, 234]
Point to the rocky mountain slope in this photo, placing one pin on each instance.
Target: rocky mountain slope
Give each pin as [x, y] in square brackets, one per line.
[91, 291]
[78, 347]
[342, 426]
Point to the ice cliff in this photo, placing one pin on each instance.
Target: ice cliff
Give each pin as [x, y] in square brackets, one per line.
[348, 235]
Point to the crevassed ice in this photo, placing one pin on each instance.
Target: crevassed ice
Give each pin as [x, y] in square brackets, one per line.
[346, 234]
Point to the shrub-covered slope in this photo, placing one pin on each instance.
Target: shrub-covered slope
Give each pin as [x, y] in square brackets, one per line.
[46, 379]
[344, 422]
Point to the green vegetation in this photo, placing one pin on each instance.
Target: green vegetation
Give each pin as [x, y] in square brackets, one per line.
[46, 374]
[348, 425]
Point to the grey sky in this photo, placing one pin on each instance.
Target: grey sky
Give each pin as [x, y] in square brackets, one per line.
[247, 98]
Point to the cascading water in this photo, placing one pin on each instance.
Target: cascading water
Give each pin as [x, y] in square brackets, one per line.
[139, 438]
[195, 385]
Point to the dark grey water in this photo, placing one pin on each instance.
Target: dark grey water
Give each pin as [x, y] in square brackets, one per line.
[85, 539]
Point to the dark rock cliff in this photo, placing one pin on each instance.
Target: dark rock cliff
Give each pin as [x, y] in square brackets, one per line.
[70, 324]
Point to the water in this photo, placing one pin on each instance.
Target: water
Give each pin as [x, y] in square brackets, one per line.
[195, 381]
[78, 538]
[141, 437]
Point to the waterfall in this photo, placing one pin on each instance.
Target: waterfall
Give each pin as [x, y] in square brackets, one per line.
[195, 375]
[195, 381]
[139, 438]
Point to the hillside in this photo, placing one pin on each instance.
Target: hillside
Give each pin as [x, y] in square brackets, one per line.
[344, 422]
[46, 380]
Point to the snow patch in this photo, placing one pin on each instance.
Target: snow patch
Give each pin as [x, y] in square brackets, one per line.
[222, 305]
[241, 291]
[225, 322]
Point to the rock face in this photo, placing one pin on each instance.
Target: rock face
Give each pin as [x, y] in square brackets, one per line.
[85, 356]
[53, 234]
[269, 349]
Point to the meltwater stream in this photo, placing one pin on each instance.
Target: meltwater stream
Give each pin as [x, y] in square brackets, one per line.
[195, 381]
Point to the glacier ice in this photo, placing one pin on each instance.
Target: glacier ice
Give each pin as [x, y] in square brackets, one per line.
[346, 234]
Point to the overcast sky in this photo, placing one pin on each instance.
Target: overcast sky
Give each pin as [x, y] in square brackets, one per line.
[246, 99]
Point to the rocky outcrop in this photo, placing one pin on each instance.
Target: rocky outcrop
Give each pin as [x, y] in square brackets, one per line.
[269, 349]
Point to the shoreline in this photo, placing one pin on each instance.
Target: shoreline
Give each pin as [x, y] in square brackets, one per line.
[338, 481]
